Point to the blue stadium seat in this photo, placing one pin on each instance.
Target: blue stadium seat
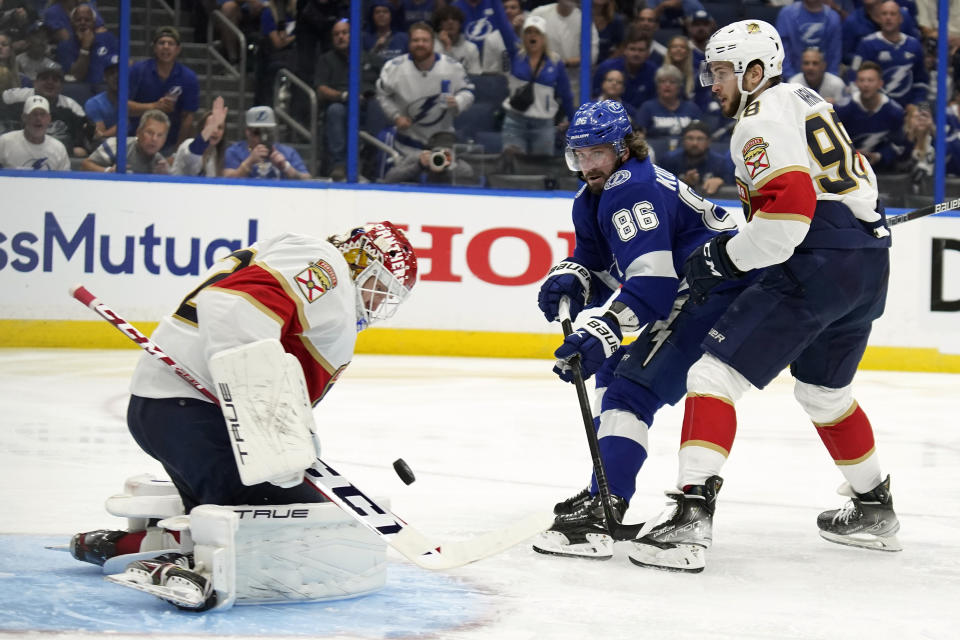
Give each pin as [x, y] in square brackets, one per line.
[479, 117]
[724, 13]
[491, 141]
[490, 87]
[376, 118]
[763, 12]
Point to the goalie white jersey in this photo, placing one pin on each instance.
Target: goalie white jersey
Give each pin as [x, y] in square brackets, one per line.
[296, 289]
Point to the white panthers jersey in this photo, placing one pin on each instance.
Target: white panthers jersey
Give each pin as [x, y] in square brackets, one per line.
[403, 89]
[786, 140]
[294, 288]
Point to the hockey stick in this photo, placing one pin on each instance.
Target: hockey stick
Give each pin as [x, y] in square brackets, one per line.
[947, 205]
[617, 531]
[413, 545]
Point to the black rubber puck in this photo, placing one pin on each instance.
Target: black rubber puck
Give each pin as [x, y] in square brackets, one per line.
[404, 471]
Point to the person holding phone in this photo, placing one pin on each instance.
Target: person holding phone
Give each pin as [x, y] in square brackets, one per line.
[260, 156]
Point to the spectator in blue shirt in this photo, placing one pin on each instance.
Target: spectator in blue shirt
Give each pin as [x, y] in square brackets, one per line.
[696, 163]
[86, 52]
[873, 121]
[56, 17]
[805, 24]
[165, 84]
[668, 114]
[102, 109]
[612, 88]
[380, 40]
[900, 56]
[637, 67]
[260, 156]
[866, 20]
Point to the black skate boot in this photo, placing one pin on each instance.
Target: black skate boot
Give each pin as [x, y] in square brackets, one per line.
[866, 521]
[572, 504]
[95, 547]
[172, 577]
[582, 533]
[677, 540]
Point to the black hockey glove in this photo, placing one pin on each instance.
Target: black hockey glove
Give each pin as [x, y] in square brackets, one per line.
[708, 266]
[568, 278]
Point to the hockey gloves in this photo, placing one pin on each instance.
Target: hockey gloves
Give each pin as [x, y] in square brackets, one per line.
[708, 266]
[568, 278]
[594, 343]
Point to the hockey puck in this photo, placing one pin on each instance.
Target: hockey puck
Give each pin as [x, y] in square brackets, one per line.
[404, 471]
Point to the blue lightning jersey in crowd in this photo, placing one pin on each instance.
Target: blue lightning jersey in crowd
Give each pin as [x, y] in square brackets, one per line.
[639, 232]
[858, 25]
[905, 77]
[880, 130]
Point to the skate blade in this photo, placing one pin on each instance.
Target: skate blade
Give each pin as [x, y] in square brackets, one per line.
[117, 564]
[682, 558]
[865, 541]
[184, 597]
[553, 543]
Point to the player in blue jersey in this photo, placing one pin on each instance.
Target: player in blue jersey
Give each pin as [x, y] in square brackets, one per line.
[635, 225]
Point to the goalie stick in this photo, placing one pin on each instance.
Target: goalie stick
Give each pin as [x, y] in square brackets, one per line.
[940, 207]
[617, 530]
[424, 552]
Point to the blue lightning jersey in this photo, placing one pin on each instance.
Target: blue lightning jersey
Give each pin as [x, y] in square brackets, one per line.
[905, 78]
[880, 130]
[639, 232]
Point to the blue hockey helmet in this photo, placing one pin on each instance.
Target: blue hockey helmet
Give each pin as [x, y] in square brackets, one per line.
[603, 122]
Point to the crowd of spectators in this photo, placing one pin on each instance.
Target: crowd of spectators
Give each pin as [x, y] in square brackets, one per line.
[440, 77]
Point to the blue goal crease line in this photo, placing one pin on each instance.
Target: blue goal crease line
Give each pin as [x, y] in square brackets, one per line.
[45, 590]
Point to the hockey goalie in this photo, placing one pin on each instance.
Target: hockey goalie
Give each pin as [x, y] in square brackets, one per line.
[270, 328]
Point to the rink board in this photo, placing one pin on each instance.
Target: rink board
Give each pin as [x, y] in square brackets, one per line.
[141, 244]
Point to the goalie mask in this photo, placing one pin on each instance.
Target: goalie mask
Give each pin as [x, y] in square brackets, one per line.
[383, 268]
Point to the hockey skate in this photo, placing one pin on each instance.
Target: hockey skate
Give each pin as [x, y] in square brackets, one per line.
[95, 547]
[583, 532]
[866, 521]
[171, 577]
[678, 539]
[572, 504]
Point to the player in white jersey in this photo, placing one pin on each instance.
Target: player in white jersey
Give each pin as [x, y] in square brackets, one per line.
[270, 327]
[421, 92]
[814, 225]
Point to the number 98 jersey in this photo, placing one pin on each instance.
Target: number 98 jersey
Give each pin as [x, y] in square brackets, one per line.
[788, 140]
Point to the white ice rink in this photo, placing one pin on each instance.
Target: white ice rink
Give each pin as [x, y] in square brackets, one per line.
[489, 441]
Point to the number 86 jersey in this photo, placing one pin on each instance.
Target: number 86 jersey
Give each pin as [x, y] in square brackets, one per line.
[800, 180]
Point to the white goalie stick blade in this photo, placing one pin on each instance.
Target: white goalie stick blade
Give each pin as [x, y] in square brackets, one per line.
[598, 546]
[865, 541]
[178, 594]
[427, 553]
[685, 558]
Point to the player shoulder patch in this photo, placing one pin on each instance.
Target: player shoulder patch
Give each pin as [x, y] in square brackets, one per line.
[617, 179]
[314, 281]
[755, 156]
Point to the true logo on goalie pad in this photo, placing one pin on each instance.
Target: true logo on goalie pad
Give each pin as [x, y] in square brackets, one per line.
[316, 280]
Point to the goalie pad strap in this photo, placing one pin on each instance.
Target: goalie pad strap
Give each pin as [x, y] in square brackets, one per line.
[263, 396]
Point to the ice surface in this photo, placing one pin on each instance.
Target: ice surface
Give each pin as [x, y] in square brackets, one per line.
[490, 441]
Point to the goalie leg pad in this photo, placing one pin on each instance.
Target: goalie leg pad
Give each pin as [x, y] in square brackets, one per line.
[264, 399]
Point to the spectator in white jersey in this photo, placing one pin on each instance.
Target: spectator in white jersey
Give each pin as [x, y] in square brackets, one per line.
[448, 24]
[815, 76]
[204, 155]
[143, 151]
[31, 148]
[562, 23]
[422, 92]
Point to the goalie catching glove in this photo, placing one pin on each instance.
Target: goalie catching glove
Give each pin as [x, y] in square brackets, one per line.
[708, 266]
